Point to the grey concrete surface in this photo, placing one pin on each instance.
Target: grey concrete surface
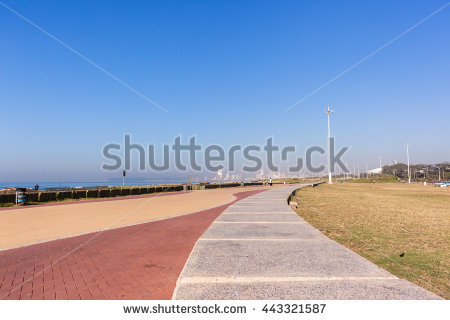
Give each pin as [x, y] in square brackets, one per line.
[256, 231]
[313, 290]
[257, 217]
[265, 208]
[259, 248]
[278, 259]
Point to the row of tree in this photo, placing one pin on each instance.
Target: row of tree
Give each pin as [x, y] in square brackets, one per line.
[420, 172]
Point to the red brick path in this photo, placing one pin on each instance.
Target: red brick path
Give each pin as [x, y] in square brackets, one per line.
[136, 262]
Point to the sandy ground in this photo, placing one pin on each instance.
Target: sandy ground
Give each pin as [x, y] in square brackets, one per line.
[37, 224]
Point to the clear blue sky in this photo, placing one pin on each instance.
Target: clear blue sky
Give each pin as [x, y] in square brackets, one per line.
[225, 71]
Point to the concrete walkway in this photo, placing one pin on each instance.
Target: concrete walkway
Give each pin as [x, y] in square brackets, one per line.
[259, 248]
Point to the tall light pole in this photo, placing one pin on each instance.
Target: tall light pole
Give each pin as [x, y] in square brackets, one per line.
[439, 171]
[425, 171]
[348, 170]
[407, 156]
[329, 112]
[379, 158]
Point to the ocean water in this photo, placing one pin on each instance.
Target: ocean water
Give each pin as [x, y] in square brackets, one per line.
[72, 184]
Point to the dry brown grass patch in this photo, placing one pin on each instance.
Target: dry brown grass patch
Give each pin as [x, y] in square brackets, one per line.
[382, 221]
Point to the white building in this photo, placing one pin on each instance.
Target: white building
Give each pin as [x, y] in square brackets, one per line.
[375, 171]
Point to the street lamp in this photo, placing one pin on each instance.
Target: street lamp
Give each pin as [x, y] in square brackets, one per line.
[407, 156]
[439, 168]
[348, 170]
[329, 112]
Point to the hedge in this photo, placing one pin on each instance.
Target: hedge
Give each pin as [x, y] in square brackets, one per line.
[8, 198]
[115, 192]
[134, 191]
[104, 193]
[61, 195]
[47, 196]
[32, 196]
[125, 192]
[222, 185]
[92, 193]
[80, 194]
[174, 188]
[253, 184]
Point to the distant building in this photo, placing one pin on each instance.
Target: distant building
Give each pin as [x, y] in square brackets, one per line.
[375, 171]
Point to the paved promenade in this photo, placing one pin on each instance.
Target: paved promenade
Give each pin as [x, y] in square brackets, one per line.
[136, 262]
[259, 248]
[21, 226]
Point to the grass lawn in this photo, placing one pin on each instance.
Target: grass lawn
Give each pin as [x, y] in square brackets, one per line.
[384, 178]
[6, 205]
[381, 222]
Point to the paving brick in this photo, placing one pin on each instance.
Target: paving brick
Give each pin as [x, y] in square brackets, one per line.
[135, 262]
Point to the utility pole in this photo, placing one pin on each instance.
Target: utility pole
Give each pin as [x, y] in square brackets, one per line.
[425, 171]
[329, 112]
[439, 171]
[407, 156]
[348, 170]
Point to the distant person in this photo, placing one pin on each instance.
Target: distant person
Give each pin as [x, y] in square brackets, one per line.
[36, 187]
[270, 181]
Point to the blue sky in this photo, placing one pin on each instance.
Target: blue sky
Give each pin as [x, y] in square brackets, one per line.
[225, 71]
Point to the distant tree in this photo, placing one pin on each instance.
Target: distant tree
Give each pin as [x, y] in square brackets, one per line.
[419, 172]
